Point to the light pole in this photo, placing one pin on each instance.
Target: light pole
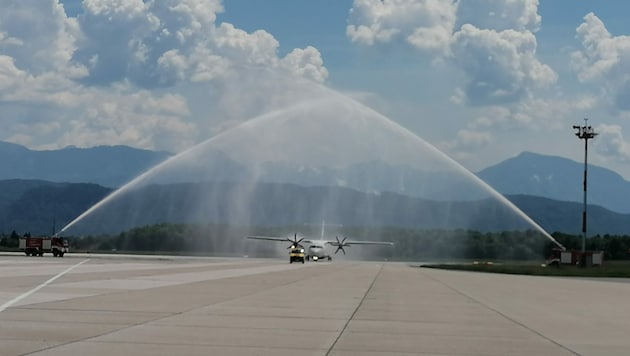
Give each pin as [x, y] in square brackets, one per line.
[584, 132]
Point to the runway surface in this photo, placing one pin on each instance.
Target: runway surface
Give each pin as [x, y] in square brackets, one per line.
[125, 305]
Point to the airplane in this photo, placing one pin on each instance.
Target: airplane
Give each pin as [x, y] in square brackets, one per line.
[316, 249]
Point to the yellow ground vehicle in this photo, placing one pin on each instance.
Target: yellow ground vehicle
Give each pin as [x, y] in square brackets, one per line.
[296, 254]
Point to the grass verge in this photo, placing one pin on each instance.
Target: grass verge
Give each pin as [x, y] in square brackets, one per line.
[610, 269]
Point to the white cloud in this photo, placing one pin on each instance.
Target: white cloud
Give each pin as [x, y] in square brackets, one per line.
[258, 48]
[551, 114]
[458, 97]
[305, 63]
[10, 75]
[39, 36]
[501, 66]
[493, 44]
[148, 73]
[536, 115]
[426, 24]
[466, 143]
[491, 41]
[492, 117]
[160, 43]
[499, 15]
[87, 117]
[17, 85]
[605, 59]
[611, 144]
[469, 138]
[135, 118]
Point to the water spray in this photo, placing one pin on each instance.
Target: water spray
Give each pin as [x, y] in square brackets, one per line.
[283, 142]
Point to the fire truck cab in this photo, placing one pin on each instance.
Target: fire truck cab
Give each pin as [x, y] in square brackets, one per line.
[37, 246]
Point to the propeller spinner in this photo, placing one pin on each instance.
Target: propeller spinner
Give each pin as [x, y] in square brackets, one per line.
[295, 242]
[340, 245]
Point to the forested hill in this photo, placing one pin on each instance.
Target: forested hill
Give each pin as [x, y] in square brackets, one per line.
[39, 207]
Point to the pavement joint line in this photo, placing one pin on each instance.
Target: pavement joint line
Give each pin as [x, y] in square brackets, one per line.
[184, 326]
[93, 338]
[355, 310]
[6, 305]
[208, 345]
[502, 314]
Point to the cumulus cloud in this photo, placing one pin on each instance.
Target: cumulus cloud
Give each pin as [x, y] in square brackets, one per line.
[160, 43]
[466, 142]
[543, 113]
[534, 114]
[500, 15]
[86, 117]
[495, 46]
[611, 144]
[306, 63]
[137, 118]
[147, 73]
[10, 75]
[472, 139]
[501, 66]
[39, 37]
[426, 24]
[604, 59]
[491, 41]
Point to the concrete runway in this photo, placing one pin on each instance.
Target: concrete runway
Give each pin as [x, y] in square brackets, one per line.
[213, 306]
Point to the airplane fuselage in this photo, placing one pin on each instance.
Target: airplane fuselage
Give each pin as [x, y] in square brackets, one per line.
[317, 251]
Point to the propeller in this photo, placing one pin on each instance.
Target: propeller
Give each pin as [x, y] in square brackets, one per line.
[295, 242]
[340, 245]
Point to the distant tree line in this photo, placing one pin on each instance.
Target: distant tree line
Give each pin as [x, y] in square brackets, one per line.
[409, 244]
[614, 247]
[9, 241]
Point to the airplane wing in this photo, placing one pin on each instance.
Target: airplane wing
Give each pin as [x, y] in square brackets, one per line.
[358, 242]
[340, 244]
[271, 238]
[330, 242]
[281, 239]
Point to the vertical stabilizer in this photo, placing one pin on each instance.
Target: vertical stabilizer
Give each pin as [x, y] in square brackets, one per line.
[323, 228]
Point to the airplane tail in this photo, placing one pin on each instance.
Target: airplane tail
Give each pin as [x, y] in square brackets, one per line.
[323, 228]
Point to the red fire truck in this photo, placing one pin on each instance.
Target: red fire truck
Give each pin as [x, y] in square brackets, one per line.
[37, 246]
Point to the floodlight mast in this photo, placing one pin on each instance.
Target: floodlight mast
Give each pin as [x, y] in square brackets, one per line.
[584, 133]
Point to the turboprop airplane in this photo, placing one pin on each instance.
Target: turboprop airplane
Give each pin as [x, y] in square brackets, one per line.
[317, 248]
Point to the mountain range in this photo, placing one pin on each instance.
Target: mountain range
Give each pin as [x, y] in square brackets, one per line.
[40, 207]
[559, 179]
[110, 166]
[528, 173]
[547, 188]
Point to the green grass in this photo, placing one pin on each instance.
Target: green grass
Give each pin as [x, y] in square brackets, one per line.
[616, 269]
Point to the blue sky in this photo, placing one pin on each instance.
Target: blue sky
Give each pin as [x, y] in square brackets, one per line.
[482, 80]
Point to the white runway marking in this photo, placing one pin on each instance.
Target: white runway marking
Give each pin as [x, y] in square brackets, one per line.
[22, 296]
